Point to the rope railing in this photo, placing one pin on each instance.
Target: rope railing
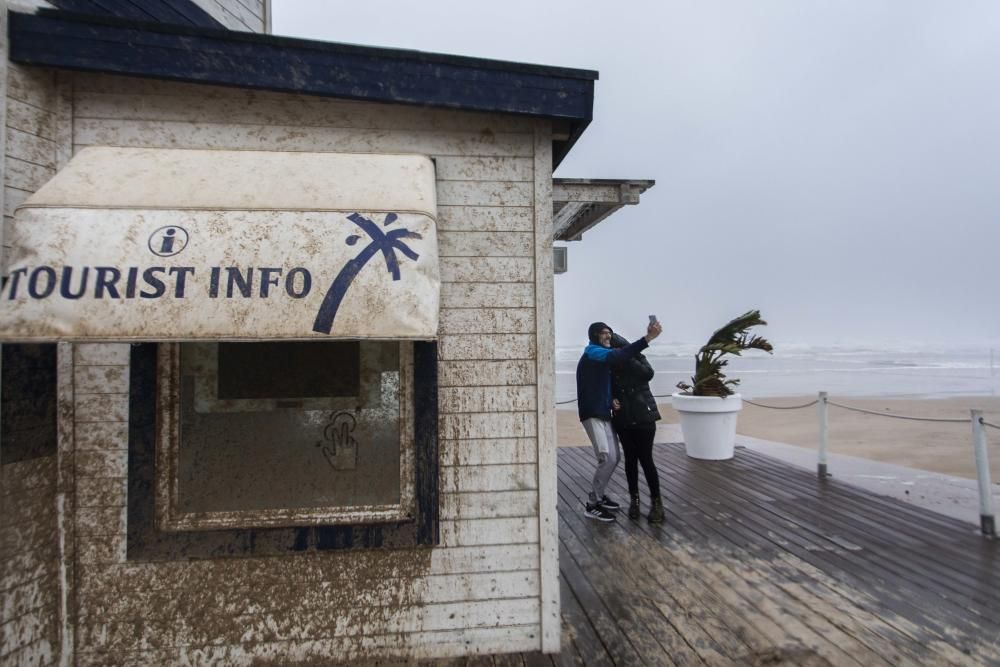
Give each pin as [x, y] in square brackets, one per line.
[856, 409]
[987, 521]
[782, 407]
[895, 416]
[943, 420]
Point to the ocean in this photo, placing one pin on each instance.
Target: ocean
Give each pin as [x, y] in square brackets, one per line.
[912, 371]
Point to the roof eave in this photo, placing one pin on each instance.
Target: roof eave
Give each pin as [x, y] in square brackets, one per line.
[580, 204]
[55, 38]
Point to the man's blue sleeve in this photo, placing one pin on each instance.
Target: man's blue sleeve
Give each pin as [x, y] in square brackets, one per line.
[605, 354]
[627, 352]
[597, 352]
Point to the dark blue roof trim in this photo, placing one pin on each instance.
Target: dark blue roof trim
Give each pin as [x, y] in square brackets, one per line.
[247, 60]
[180, 12]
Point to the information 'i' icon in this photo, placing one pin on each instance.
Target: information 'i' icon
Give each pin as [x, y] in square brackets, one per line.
[167, 246]
[168, 241]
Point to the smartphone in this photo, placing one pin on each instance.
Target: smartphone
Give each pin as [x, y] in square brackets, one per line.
[652, 319]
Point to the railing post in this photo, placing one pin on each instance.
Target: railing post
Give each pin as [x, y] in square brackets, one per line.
[986, 521]
[821, 407]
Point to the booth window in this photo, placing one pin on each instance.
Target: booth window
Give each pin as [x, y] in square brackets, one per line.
[297, 445]
[284, 434]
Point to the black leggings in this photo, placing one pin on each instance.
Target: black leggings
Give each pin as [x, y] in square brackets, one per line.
[637, 444]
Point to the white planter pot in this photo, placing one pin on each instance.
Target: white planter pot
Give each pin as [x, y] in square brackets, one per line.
[708, 424]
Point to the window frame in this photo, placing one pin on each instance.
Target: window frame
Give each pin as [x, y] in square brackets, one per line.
[170, 517]
[146, 542]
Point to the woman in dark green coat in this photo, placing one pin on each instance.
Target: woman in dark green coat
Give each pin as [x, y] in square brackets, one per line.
[635, 423]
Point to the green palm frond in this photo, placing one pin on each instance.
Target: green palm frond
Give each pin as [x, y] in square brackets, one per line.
[733, 338]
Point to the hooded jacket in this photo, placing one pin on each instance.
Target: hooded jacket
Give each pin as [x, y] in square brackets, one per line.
[630, 385]
[593, 377]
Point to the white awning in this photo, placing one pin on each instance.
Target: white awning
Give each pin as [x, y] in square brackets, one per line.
[166, 244]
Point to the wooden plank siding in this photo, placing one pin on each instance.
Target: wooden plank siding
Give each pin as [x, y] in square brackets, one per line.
[29, 593]
[29, 133]
[480, 590]
[545, 356]
[28, 558]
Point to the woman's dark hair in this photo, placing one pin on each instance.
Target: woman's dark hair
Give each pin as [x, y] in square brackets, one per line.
[618, 340]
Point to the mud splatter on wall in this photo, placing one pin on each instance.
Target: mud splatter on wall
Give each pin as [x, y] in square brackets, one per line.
[28, 516]
[480, 589]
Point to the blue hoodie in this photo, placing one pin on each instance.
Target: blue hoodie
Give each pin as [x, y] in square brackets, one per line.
[593, 377]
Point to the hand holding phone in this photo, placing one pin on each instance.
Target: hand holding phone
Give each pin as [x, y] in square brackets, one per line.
[653, 330]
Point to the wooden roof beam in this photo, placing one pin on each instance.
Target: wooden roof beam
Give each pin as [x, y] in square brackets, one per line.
[579, 204]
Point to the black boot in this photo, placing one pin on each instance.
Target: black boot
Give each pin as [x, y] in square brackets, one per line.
[656, 511]
[633, 508]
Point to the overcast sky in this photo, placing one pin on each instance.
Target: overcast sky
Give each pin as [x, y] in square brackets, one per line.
[835, 164]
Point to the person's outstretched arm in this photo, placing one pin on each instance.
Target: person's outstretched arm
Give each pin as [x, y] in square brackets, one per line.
[598, 353]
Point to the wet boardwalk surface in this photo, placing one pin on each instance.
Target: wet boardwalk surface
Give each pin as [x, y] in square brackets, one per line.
[760, 563]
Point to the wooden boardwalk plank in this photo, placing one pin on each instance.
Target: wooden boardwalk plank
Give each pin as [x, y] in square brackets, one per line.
[960, 539]
[678, 578]
[761, 563]
[731, 609]
[579, 639]
[802, 522]
[615, 641]
[894, 595]
[787, 622]
[637, 617]
[902, 567]
[837, 577]
[799, 586]
[632, 562]
[687, 596]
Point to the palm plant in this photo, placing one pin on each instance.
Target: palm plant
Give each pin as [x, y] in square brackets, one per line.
[733, 338]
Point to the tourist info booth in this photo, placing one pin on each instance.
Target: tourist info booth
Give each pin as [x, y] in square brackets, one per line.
[278, 357]
[326, 262]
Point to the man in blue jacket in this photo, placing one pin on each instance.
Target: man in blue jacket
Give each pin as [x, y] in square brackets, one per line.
[594, 402]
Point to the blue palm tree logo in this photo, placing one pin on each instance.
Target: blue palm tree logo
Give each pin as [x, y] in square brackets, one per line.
[386, 243]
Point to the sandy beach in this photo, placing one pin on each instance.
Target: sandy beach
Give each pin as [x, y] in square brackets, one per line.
[936, 447]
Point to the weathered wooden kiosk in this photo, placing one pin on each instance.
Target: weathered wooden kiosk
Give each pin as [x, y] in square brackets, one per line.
[278, 380]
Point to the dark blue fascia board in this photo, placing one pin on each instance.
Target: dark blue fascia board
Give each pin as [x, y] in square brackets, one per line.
[281, 64]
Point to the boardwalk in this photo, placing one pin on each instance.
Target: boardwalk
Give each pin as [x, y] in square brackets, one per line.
[760, 563]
